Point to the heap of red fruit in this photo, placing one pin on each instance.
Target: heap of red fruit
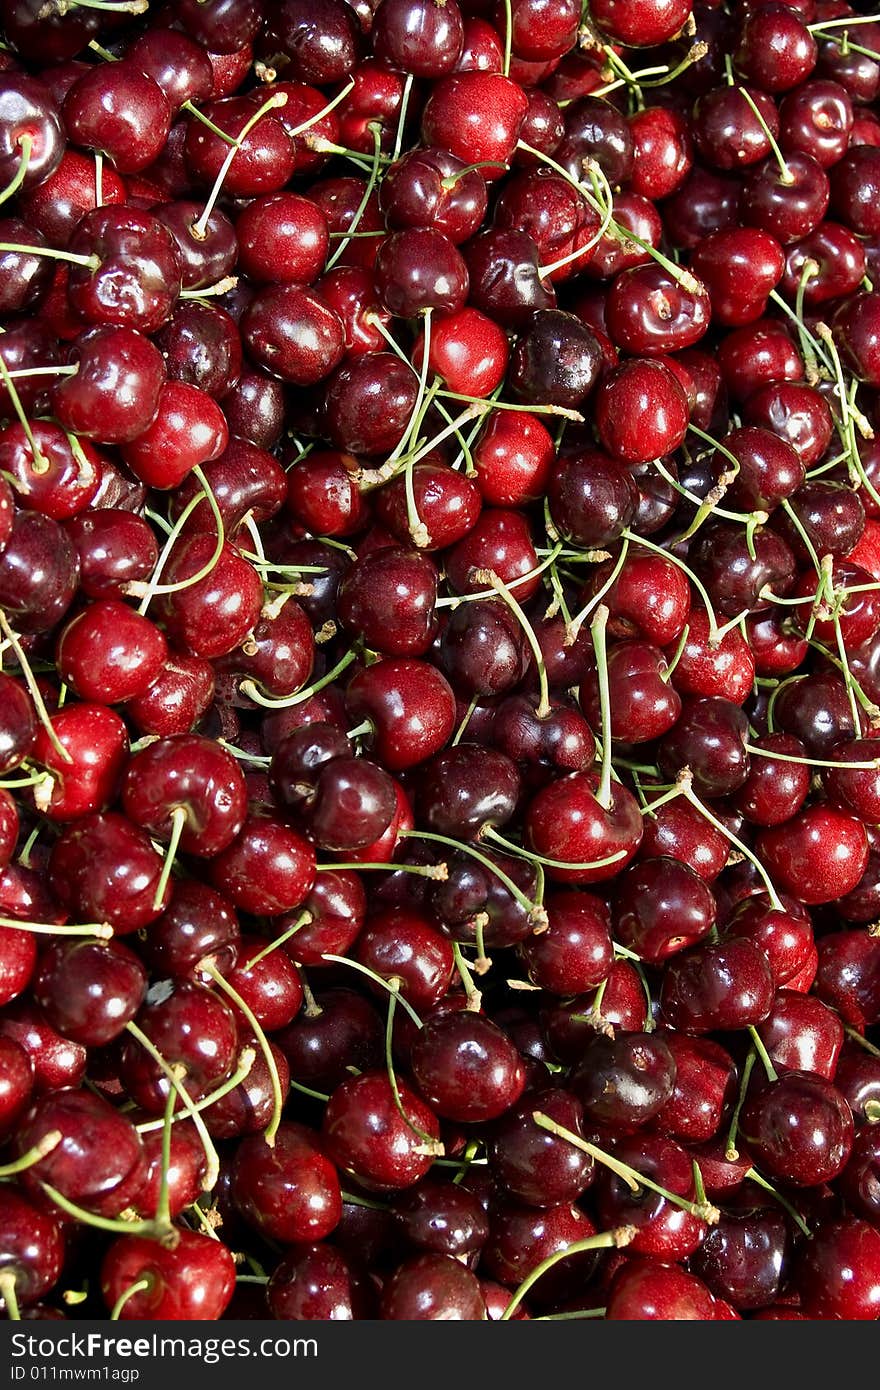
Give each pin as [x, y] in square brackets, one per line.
[440, 633]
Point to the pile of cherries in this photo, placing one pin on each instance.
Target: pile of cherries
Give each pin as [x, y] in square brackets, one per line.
[440, 637]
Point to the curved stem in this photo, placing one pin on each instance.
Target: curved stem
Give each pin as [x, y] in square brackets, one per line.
[90, 262]
[494, 581]
[378, 980]
[604, 1240]
[8, 1294]
[178, 824]
[102, 930]
[731, 1152]
[26, 144]
[33, 1156]
[257, 1029]
[212, 1158]
[41, 463]
[278, 99]
[537, 914]
[33, 688]
[787, 177]
[253, 692]
[301, 921]
[139, 1287]
[362, 205]
[598, 633]
[241, 1073]
[520, 852]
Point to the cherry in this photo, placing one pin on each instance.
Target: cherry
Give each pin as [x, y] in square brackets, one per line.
[776, 50]
[388, 599]
[30, 132]
[195, 1279]
[533, 1165]
[465, 1067]
[202, 347]
[522, 1237]
[505, 280]
[662, 907]
[216, 610]
[316, 1281]
[592, 497]
[502, 542]
[290, 1191]
[848, 976]
[38, 574]
[744, 1257]
[338, 905]
[97, 1158]
[254, 407]
[369, 403]
[663, 1228]
[790, 206]
[401, 945]
[649, 312]
[132, 648]
[189, 1026]
[704, 1084]
[56, 1062]
[739, 268]
[431, 1287]
[53, 206]
[838, 1275]
[854, 183]
[343, 1029]
[467, 788]
[709, 738]
[114, 547]
[104, 869]
[16, 1083]
[89, 990]
[121, 111]
[717, 986]
[441, 1217]
[818, 855]
[366, 1133]
[727, 133]
[594, 129]
[475, 115]
[648, 1290]
[801, 1034]
[18, 724]
[432, 188]
[31, 1250]
[641, 411]
[264, 157]
[799, 1129]
[641, 25]
[114, 394]
[447, 505]
[858, 1181]
[187, 777]
[177, 699]
[267, 868]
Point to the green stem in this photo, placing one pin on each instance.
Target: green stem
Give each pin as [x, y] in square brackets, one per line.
[179, 818]
[605, 1240]
[256, 1027]
[140, 1286]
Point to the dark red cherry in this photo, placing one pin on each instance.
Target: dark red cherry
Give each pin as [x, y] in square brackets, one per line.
[799, 1129]
[31, 1248]
[114, 394]
[197, 925]
[409, 705]
[566, 822]
[370, 401]
[121, 111]
[838, 1274]
[316, 1281]
[364, 1131]
[662, 907]
[132, 652]
[104, 869]
[477, 116]
[189, 1026]
[717, 986]
[97, 1157]
[442, 1217]
[465, 1067]
[195, 1279]
[818, 855]
[290, 1191]
[89, 990]
[267, 869]
[650, 313]
[388, 599]
[776, 50]
[801, 1034]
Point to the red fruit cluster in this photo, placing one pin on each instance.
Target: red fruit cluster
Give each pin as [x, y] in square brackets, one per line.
[440, 634]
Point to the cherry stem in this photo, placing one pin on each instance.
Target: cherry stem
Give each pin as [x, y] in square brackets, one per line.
[276, 100]
[253, 692]
[140, 1286]
[59, 8]
[560, 411]
[764, 1055]
[7, 1293]
[389, 986]
[118, 1226]
[163, 1201]
[580, 618]
[206, 121]
[309, 1091]
[496, 583]
[223, 286]
[634, 1180]
[690, 795]
[754, 1176]
[537, 915]
[102, 930]
[259, 1033]
[376, 131]
[26, 144]
[401, 119]
[41, 463]
[432, 1145]
[91, 262]
[454, 600]
[301, 921]
[179, 817]
[847, 22]
[34, 689]
[541, 861]
[468, 716]
[34, 1155]
[242, 1072]
[872, 1111]
[598, 631]
[154, 588]
[786, 176]
[439, 873]
[605, 1240]
[452, 179]
[802, 532]
[666, 675]
[811, 762]
[212, 1158]
[731, 1152]
[472, 994]
[861, 1040]
[361, 730]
